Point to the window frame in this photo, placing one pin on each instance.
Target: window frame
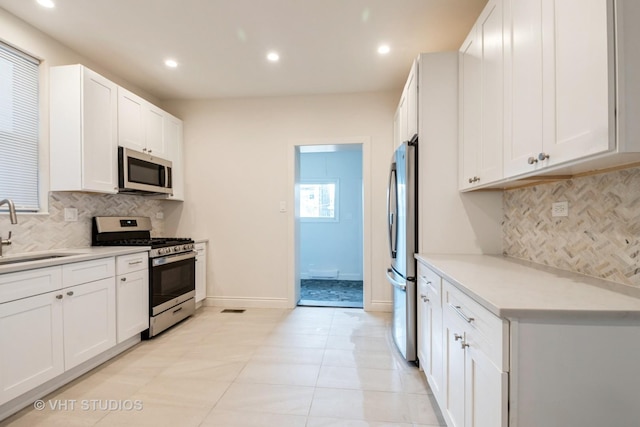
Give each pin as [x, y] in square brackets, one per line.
[336, 203]
[42, 169]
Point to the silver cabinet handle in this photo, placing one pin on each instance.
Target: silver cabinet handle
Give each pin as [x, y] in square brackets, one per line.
[58, 296]
[457, 337]
[70, 293]
[123, 279]
[458, 310]
[424, 298]
[463, 345]
[543, 156]
[532, 160]
[135, 262]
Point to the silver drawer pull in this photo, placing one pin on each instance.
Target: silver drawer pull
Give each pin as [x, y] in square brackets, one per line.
[135, 262]
[424, 298]
[458, 310]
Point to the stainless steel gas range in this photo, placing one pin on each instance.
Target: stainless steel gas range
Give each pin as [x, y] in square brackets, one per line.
[172, 283]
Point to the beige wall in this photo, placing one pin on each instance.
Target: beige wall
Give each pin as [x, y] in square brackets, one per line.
[236, 157]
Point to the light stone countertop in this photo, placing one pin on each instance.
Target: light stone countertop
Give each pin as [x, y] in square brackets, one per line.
[512, 288]
[70, 256]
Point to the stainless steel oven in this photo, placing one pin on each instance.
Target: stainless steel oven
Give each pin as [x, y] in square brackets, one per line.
[172, 289]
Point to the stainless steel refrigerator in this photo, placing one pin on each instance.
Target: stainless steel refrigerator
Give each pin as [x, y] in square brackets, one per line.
[402, 210]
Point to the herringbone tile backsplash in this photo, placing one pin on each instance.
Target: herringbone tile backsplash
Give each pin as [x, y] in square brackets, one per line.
[39, 232]
[600, 237]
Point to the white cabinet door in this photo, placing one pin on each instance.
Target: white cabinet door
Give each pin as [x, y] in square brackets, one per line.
[140, 124]
[173, 128]
[83, 131]
[523, 86]
[31, 349]
[133, 303]
[131, 120]
[403, 130]
[411, 89]
[454, 372]
[576, 75]
[430, 346]
[100, 165]
[201, 271]
[89, 320]
[470, 64]
[486, 390]
[490, 29]
[154, 131]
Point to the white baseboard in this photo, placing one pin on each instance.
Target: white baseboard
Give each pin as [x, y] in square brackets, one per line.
[381, 306]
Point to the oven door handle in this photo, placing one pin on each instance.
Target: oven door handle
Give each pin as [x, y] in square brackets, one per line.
[168, 259]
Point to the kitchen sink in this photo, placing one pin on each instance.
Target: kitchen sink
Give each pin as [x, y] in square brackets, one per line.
[29, 258]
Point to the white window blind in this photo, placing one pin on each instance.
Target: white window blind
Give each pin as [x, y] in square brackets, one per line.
[19, 128]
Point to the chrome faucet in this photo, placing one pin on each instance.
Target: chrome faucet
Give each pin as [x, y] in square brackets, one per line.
[14, 220]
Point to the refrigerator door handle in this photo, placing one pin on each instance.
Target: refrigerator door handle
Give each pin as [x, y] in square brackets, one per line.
[394, 282]
[391, 214]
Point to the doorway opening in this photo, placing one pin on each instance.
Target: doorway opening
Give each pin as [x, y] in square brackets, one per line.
[329, 206]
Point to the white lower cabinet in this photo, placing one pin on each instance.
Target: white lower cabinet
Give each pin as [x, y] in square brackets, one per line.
[89, 318]
[430, 327]
[201, 271]
[132, 283]
[463, 352]
[53, 319]
[31, 347]
[476, 363]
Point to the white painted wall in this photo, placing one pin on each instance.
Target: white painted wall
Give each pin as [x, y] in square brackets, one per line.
[334, 245]
[237, 161]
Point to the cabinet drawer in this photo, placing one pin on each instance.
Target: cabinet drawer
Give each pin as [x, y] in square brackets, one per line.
[432, 283]
[24, 284]
[134, 262]
[484, 330]
[87, 271]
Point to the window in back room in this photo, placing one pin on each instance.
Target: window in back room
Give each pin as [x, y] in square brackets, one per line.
[318, 200]
[19, 128]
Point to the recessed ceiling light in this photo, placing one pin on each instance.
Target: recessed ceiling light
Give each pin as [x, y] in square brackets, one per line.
[273, 56]
[46, 3]
[171, 63]
[383, 49]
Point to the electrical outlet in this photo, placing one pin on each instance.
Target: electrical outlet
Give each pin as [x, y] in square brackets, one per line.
[70, 214]
[560, 209]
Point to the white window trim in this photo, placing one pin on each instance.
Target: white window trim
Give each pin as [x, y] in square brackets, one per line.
[336, 182]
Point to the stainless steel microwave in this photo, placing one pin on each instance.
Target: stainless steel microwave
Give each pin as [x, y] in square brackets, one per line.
[142, 173]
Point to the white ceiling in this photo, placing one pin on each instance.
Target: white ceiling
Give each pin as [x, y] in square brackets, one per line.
[325, 46]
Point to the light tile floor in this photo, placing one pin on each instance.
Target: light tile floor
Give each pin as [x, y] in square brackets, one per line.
[313, 367]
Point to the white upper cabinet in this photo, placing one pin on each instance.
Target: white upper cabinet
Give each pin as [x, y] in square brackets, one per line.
[557, 83]
[140, 124]
[173, 136]
[481, 100]
[406, 119]
[411, 90]
[83, 131]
